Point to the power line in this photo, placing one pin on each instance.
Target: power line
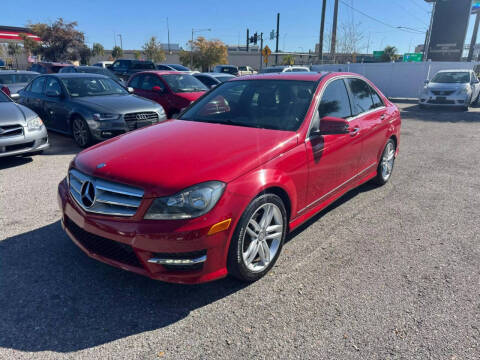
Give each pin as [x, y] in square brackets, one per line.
[420, 7]
[409, 30]
[411, 14]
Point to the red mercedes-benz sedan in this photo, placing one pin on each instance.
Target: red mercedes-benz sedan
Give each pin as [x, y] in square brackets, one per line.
[216, 191]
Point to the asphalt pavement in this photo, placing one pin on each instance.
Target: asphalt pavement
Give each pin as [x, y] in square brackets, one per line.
[387, 272]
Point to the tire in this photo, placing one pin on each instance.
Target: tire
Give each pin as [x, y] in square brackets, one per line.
[386, 164]
[248, 260]
[81, 132]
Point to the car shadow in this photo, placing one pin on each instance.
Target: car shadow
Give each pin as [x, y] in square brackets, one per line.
[61, 145]
[55, 298]
[9, 162]
[441, 114]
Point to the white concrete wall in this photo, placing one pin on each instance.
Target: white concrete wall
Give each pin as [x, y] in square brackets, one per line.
[397, 80]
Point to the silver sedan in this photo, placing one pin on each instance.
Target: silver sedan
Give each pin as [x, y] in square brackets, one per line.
[21, 130]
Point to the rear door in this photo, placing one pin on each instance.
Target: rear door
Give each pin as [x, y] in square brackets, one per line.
[332, 159]
[371, 118]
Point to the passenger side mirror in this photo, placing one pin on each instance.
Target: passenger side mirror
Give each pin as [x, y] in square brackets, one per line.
[130, 90]
[15, 96]
[157, 89]
[333, 126]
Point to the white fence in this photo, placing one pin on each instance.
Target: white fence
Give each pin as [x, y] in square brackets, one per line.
[397, 80]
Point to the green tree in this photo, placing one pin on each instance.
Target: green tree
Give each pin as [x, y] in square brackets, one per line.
[117, 52]
[97, 49]
[60, 40]
[389, 54]
[206, 53]
[288, 59]
[31, 46]
[14, 50]
[153, 50]
[137, 54]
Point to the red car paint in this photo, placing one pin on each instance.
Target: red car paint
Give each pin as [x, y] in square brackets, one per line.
[171, 156]
[172, 102]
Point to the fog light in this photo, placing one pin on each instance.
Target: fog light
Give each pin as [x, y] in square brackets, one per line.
[106, 133]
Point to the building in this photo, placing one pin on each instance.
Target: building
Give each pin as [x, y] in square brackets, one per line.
[12, 34]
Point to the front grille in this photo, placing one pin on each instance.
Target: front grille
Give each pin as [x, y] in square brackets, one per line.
[445, 93]
[107, 248]
[17, 147]
[441, 101]
[106, 197]
[11, 130]
[140, 119]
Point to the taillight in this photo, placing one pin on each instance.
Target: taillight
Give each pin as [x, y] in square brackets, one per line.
[6, 90]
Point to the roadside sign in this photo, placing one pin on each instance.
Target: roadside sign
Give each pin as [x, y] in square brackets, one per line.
[412, 57]
[378, 54]
[266, 51]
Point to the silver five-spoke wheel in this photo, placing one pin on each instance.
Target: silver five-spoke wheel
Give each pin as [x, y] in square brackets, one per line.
[388, 158]
[262, 238]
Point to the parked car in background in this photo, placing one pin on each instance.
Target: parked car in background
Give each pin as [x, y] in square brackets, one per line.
[90, 107]
[92, 70]
[459, 88]
[103, 64]
[124, 68]
[217, 191]
[21, 130]
[226, 69]
[2, 64]
[211, 80]
[171, 89]
[284, 68]
[173, 67]
[246, 70]
[48, 67]
[12, 81]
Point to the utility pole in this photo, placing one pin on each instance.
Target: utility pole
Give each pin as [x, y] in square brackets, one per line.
[276, 46]
[121, 41]
[322, 30]
[334, 30]
[261, 49]
[168, 36]
[248, 38]
[474, 38]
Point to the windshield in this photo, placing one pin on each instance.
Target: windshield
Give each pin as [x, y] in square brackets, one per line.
[184, 83]
[459, 77]
[179, 67]
[267, 104]
[3, 97]
[92, 86]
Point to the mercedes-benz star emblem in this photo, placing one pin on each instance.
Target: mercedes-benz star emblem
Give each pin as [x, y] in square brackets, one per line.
[88, 194]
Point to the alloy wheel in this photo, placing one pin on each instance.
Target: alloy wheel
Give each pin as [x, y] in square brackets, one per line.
[262, 237]
[388, 158]
[80, 132]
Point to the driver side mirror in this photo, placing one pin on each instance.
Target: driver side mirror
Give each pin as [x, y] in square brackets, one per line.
[157, 89]
[331, 126]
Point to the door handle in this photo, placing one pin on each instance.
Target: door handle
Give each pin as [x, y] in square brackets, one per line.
[355, 131]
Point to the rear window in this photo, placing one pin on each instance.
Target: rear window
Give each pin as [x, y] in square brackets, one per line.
[179, 67]
[143, 65]
[7, 79]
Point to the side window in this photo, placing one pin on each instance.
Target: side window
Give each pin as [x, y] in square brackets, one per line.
[136, 81]
[149, 81]
[361, 96]
[335, 101]
[206, 80]
[377, 100]
[37, 85]
[53, 85]
[162, 67]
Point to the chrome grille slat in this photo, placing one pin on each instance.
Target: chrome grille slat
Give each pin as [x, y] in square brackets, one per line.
[140, 119]
[110, 198]
[11, 130]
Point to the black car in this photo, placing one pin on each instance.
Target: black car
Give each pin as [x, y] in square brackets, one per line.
[91, 70]
[90, 107]
[173, 67]
[124, 68]
[213, 79]
[226, 69]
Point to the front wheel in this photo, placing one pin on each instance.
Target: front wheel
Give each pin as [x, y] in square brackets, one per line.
[81, 132]
[258, 238]
[385, 167]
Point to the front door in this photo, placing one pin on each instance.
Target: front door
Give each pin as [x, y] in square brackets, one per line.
[55, 111]
[332, 159]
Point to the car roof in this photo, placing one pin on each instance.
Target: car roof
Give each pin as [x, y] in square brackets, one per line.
[232, 66]
[162, 72]
[216, 74]
[80, 75]
[18, 72]
[456, 70]
[305, 76]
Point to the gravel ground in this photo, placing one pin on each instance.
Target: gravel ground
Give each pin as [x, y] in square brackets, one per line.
[384, 273]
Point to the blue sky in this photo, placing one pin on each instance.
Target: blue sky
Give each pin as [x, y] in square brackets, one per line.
[299, 24]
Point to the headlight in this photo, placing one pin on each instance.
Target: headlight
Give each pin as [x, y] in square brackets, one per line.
[103, 117]
[464, 91]
[161, 114]
[189, 203]
[35, 123]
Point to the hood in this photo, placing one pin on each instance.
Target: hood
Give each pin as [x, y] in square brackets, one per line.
[168, 157]
[190, 96]
[117, 104]
[12, 113]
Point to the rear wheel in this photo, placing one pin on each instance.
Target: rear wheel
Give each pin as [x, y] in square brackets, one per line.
[385, 167]
[258, 239]
[81, 132]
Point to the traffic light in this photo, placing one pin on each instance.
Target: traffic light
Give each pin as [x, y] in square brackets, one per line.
[272, 34]
[254, 38]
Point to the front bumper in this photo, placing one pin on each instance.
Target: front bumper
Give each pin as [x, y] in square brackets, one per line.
[25, 143]
[430, 99]
[129, 243]
[102, 130]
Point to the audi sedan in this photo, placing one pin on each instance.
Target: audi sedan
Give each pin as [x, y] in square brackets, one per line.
[90, 107]
[216, 191]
